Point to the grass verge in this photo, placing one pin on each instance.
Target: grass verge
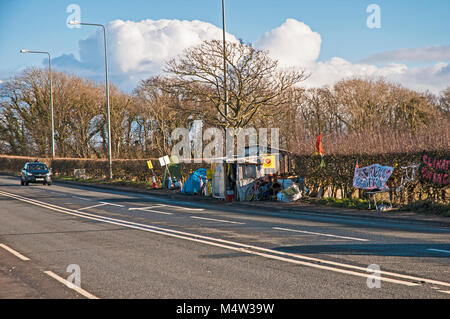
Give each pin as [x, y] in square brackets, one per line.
[428, 207]
[345, 202]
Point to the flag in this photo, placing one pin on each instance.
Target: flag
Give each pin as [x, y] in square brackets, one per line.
[319, 149]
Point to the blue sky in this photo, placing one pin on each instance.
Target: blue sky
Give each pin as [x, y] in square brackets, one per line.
[41, 25]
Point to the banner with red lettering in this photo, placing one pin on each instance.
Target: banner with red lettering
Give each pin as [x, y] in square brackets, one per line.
[435, 170]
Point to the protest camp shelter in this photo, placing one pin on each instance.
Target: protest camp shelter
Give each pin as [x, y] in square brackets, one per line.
[235, 173]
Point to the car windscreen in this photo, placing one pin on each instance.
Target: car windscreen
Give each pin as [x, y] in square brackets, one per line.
[37, 167]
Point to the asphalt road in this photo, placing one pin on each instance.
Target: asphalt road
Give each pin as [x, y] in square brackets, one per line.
[125, 245]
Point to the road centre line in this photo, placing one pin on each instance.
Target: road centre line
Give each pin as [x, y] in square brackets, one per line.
[101, 204]
[181, 207]
[439, 250]
[167, 205]
[98, 205]
[70, 285]
[320, 234]
[218, 220]
[80, 197]
[113, 204]
[249, 249]
[157, 212]
[143, 208]
[148, 209]
[14, 252]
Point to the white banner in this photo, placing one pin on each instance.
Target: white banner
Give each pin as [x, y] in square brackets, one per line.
[373, 177]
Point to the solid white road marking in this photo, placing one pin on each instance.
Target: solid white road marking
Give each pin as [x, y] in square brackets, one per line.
[101, 204]
[89, 207]
[157, 212]
[166, 205]
[439, 250]
[218, 220]
[147, 209]
[320, 234]
[182, 207]
[80, 197]
[70, 285]
[113, 204]
[241, 247]
[143, 208]
[445, 291]
[15, 253]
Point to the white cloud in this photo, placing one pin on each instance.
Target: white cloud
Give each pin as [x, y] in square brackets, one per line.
[293, 43]
[329, 72]
[434, 53]
[138, 50]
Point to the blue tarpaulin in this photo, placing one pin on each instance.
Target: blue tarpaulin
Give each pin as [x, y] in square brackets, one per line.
[192, 185]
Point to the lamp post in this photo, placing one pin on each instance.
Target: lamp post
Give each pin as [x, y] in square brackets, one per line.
[224, 61]
[51, 94]
[107, 90]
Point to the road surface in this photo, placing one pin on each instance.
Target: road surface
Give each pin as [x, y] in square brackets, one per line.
[67, 241]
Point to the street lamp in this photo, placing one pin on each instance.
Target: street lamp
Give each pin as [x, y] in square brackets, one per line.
[107, 90]
[51, 93]
[224, 61]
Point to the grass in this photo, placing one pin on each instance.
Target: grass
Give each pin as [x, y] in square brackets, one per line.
[345, 202]
[428, 207]
[422, 207]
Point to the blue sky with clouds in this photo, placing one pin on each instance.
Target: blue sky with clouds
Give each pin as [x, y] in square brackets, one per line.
[413, 39]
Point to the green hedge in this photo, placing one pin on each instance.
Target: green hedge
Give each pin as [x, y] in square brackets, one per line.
[132, 170]
[339, 170]
[337, 175]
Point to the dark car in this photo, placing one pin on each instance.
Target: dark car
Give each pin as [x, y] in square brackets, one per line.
[35, 172]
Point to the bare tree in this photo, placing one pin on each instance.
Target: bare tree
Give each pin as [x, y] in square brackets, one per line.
[158, 114]
[254, 82]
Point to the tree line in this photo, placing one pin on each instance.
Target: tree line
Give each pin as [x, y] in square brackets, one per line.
[355, 115]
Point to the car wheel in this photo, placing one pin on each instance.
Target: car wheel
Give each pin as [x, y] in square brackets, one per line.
[49, 184]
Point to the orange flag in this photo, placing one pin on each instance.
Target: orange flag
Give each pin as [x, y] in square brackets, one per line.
[319, 149]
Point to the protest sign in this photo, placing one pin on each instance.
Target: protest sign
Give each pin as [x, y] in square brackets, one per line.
[163, 161]
[269, 161]
[435, 170]
[373, 177]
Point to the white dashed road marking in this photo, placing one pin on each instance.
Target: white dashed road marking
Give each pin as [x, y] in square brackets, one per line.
[15, 253]
[218, 220]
